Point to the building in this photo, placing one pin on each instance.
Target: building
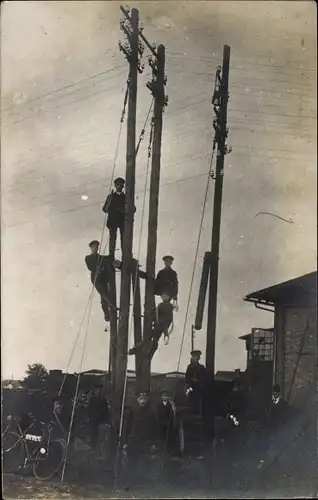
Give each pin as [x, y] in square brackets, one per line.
[289, 349]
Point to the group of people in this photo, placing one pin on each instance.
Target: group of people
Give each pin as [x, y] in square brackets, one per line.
[100, 267]
[145, 426]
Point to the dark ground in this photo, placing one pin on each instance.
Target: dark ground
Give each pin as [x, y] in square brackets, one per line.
[279, 461]
[288, 474]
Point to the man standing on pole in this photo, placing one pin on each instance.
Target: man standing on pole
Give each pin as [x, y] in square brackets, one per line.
[114, 206]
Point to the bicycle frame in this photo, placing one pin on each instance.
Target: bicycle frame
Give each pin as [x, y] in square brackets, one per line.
[30, 456]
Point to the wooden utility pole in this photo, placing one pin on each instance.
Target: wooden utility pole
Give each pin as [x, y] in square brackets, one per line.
[219, 101]
[137, 324]
[157, 88]
[131, 50]
[113, 331]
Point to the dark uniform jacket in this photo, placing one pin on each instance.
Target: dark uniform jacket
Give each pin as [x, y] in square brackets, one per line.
[166, 415]
[167, 281]
[93, 261]
[114, 206]
[98, 409]
[196, 376]
[143, 429]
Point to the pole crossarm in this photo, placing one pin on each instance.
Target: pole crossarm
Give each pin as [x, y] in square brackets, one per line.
[133, 54]
[143, 38]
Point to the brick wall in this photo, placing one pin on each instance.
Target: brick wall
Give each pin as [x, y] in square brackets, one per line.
[300, 335]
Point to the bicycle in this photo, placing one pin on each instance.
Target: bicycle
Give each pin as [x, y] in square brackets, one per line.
[25, 448]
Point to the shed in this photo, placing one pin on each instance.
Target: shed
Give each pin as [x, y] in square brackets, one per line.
[294, 304]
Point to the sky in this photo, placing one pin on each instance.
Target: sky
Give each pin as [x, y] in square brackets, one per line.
[62, 88]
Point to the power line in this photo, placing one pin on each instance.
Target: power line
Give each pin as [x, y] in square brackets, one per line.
[87, 96]
[108, 71]
[305, 83]
[55, 91]
[55, 150]
[254, 64]
[194, 155]
[166, 184]
[184, 179]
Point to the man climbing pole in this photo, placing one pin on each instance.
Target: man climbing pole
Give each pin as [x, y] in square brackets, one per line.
[162, 325]
[115, 206]
[167, 280]
[98, 265]
[164, 317]
[196, 382]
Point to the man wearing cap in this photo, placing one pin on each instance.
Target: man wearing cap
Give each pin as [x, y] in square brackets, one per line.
[115, 206]
[167, 280]
[142, 429]
[98, 413]
[168, 422]
[98, 265]
[196, 381]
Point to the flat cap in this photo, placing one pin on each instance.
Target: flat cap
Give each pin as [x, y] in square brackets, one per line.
[196, 352]
[165, 391]
[93, 243]
[167, 257]
[119, 180]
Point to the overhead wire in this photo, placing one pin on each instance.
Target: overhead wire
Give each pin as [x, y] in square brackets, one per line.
[271, 65]
[42, 111]
[55, 150]
[69, 85]
[186, 108]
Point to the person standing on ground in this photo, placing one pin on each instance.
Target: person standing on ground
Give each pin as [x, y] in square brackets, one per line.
[98, 413]
[196, 382]
[98, 265]
[168, 423]
[142, 431]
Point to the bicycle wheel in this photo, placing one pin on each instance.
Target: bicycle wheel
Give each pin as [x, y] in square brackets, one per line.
[53, 456]
[13, 452]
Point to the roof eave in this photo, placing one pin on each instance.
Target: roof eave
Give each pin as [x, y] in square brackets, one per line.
[255, 300]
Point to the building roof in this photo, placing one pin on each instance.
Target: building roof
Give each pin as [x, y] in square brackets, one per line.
[248, 335]
[297, 289]
[225, 375]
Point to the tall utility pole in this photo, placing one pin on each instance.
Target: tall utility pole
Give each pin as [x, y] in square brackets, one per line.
[157, 88]
[219, 101]
[131, 49]
[113, 331]
[137, 324]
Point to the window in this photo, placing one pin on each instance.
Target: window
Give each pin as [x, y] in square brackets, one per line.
[262, 344]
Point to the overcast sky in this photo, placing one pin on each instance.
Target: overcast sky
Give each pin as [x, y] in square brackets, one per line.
[63, 81]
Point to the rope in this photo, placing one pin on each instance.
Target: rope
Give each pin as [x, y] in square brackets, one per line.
[142, 133]
[136, 274]
[102, 234]
[90, 301]
[192, 278]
